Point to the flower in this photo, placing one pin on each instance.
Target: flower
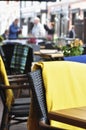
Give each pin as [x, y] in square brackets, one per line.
[77, 42]
[73, 49]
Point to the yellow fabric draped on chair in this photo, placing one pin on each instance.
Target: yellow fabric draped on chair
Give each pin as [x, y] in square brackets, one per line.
[4, 80]
[65, 86]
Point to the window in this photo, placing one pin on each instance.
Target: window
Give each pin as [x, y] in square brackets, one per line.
[84, 14]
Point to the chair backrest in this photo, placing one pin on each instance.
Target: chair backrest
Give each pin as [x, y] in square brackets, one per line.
[2, 54]
[38, 93]
[8, 49]
[35, 48]
[39, 99]
[8, 52]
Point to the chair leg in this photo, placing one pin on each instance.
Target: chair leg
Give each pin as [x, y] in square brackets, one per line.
[6, 124]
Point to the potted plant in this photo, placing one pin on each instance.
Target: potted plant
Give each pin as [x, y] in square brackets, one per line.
[73, 49]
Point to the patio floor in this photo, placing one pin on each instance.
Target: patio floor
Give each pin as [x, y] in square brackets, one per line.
[22, 126]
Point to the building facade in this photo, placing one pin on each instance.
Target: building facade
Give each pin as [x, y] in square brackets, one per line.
[63, 13]
[67, 13]
[9, 10]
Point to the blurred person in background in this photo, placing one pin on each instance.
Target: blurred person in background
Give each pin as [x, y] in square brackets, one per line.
[30, 25]
[5, 35]
[50, 30]
[14, 30]
[38, 29]
[72, 32]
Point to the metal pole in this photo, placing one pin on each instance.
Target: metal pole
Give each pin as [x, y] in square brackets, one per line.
[46, 11]
[60, 20]
[20, 15]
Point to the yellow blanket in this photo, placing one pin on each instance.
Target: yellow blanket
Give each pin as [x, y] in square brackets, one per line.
[65, 86]
[4, 80]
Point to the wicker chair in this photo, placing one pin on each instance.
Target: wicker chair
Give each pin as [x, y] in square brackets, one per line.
[39, 100]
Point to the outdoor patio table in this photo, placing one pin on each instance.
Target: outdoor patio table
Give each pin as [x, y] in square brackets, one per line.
[73, 116]
[49, 54]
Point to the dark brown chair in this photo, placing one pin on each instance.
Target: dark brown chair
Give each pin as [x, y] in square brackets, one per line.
[39, 101]
[19, 111]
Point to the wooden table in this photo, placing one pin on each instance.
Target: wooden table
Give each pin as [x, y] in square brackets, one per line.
[49, 54]
[72, 116]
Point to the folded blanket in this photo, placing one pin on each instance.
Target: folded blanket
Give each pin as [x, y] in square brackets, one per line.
[65, 86]
[19, 58]
[4, 80]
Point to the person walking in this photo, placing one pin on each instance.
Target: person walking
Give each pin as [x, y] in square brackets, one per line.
[14, 30]
[38, 29]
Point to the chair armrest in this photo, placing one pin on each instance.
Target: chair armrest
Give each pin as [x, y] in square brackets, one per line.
[20, 82]
[44, 126]
[14, 87]
[19, 100]
[15, 76]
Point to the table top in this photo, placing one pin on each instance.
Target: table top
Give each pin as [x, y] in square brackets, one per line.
[49, 53]
[73, 116]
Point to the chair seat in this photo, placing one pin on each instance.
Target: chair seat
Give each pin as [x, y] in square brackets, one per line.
[20, 111]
